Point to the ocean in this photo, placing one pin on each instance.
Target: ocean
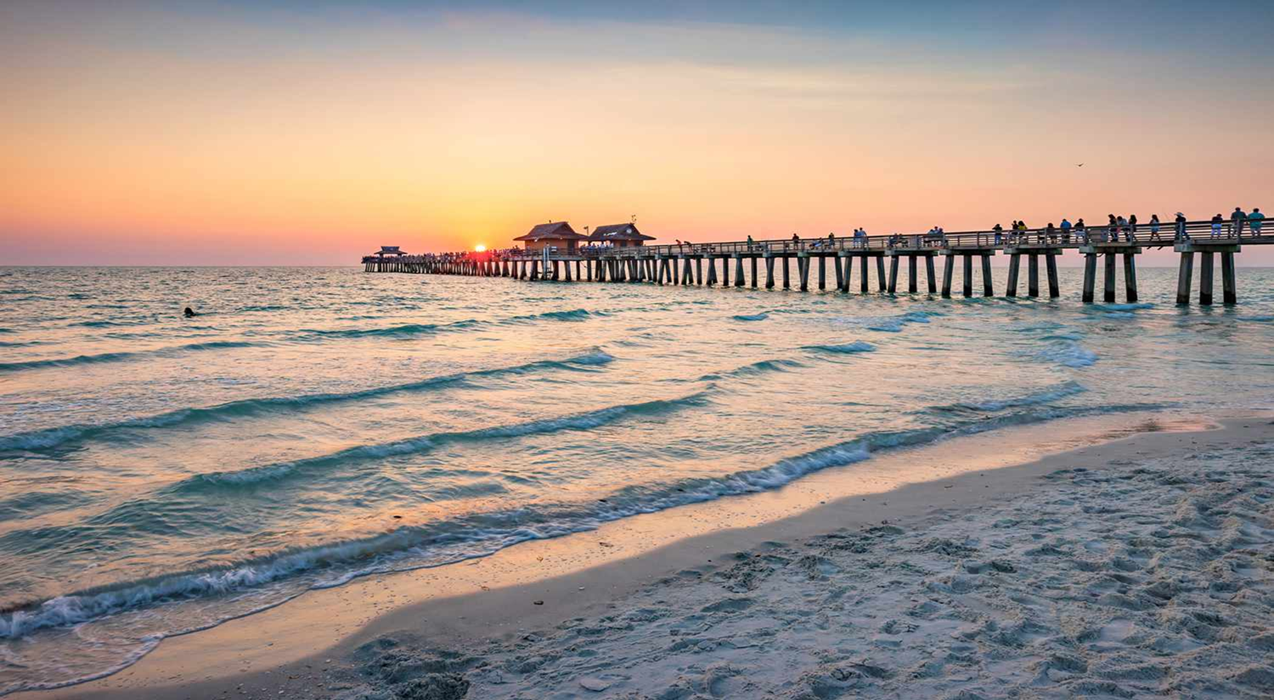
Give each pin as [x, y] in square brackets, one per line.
[160, 474]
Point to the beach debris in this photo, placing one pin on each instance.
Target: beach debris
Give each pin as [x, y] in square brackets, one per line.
[537, 602]
[605, 544]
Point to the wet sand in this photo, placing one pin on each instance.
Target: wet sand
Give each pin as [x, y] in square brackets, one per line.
[506, 625]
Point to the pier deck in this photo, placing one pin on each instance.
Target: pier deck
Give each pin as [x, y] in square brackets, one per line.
[685, 264]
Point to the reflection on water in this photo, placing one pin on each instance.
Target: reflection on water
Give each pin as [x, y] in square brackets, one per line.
[161, 474]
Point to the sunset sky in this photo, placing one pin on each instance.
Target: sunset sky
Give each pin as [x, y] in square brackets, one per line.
[313, 132]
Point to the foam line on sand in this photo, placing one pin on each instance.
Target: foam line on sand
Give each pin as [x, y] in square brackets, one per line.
[1136, 567]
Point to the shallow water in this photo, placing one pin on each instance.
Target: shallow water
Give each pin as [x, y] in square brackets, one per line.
[161, 474]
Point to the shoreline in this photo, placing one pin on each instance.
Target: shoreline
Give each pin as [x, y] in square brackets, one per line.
[303, 645]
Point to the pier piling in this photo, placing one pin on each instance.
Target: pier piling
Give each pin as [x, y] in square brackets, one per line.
[1054, 288]
[672, 265]
[1130, 279]
[1205, 279]
[1184, 274]
[1227, 279]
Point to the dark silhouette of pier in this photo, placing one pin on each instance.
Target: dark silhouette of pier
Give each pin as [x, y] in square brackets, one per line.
[753, 263]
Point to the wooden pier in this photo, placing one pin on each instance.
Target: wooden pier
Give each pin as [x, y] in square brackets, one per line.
[740, 263]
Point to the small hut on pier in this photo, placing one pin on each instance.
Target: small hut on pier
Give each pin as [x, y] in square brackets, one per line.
[619, 235]
[558, 235]
[389, 250]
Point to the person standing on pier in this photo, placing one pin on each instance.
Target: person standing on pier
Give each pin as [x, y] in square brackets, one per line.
[1180, 221]
[749, 243]
[1112, 226]
[1236, 222]
[1066, 230]
[1254, 221]
[1132, 228]
[1217, 223]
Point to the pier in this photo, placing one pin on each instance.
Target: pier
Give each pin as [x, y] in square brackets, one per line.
[752, 263]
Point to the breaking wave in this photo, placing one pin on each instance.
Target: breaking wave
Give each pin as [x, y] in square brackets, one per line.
[481, 534]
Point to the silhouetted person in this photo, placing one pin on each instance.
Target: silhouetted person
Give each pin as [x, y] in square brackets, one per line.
[1255, 220]
[189, 312]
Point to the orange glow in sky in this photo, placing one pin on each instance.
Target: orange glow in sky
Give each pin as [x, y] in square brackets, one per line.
[162, 134]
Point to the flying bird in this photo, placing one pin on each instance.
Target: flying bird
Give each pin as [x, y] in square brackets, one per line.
[1080, 165]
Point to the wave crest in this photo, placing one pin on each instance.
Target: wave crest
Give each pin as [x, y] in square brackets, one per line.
[423, 443]
[843, 349]
[55, 437]
[80, 360]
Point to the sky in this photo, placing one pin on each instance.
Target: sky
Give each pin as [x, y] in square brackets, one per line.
[311, 133]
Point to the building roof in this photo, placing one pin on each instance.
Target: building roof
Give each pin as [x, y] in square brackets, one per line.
[390, 250]
[619, 232]
[560, 231]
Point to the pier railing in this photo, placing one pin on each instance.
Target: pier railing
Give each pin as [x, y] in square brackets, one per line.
[1144, 235]
[685, 263]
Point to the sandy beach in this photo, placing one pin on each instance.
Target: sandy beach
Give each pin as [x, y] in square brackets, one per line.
[1139, 566]
[441, 350]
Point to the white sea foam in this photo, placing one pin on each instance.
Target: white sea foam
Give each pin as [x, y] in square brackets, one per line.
[485, 533]
[1067, 353]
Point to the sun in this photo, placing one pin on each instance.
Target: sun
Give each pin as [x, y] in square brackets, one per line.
[480, 248]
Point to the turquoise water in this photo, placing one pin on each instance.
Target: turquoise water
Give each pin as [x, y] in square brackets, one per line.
[161, 474]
